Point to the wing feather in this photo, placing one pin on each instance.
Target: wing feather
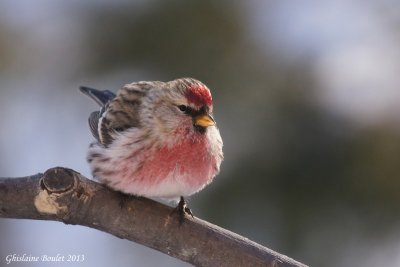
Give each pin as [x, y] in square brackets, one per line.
[119, 113]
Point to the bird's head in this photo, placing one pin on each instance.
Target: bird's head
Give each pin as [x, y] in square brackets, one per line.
[184, 105]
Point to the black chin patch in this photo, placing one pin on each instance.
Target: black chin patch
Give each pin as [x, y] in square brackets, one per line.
[200, 129]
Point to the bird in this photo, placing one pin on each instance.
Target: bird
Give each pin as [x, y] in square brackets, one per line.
[155, 139]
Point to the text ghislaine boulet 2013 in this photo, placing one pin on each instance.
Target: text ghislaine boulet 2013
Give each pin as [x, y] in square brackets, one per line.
[44, 258]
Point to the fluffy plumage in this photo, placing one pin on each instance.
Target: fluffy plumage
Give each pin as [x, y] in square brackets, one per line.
[155, 139]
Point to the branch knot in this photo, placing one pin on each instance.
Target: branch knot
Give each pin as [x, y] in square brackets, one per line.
[58, 180]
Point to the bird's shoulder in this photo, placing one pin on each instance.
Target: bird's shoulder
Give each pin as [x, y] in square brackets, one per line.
[122, 112]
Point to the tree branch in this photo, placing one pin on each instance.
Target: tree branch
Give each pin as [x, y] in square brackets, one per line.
[62, 194]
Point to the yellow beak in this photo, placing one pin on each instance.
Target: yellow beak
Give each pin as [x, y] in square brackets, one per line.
[204, 120]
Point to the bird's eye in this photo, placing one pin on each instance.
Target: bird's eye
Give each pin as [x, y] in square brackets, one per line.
[183, 108]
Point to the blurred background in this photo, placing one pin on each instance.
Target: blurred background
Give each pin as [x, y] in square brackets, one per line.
[306, 95]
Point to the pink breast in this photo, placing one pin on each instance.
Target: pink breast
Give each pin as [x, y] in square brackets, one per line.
[189, 160]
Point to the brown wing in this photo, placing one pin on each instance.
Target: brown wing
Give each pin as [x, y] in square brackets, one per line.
[93, 124]
[102, 97]
[121, 113]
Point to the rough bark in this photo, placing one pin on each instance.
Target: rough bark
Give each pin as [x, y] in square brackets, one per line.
[64, 195]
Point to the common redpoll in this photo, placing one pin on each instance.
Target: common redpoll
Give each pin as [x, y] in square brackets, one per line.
[155, 139]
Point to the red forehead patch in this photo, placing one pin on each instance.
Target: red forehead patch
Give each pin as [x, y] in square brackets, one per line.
[199, 95]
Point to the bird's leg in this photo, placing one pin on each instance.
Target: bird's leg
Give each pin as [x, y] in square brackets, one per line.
[123, 200]
[182, 209]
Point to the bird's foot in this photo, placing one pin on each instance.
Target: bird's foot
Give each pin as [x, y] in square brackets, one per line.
[123, 200]
[182, 209]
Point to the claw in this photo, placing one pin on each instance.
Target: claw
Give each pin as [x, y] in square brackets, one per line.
[123, 200]
[182, 209]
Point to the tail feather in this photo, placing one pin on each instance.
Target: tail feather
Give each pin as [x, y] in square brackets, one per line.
[101, 97]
